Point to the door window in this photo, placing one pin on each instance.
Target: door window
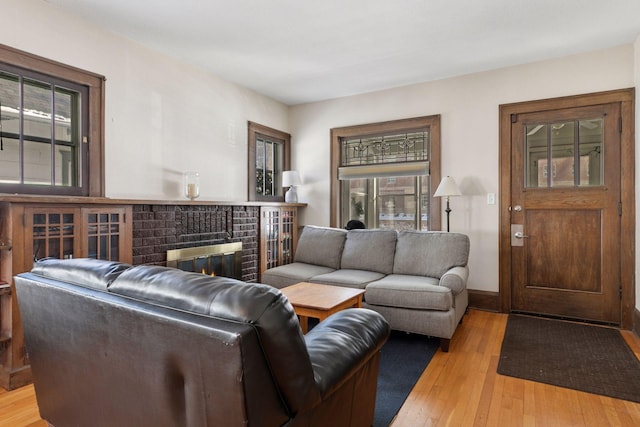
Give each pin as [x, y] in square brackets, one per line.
[564, 154]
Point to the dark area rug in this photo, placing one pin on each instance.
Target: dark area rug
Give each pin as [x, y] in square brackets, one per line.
[582, 357]
[403, 359]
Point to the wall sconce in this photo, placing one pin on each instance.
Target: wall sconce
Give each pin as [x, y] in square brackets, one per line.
[447, 188]
[291, 179]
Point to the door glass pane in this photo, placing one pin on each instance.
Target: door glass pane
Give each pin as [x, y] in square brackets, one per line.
[576, 154]
[536, 156]
[563, 167]
[115, 254]
[591, 142]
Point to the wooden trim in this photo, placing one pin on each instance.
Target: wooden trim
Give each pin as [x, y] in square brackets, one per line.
[97, 140]
[484, 300]
[372, 129]
[636, 322]
[29, 198]
[626, 98]
[96, 88]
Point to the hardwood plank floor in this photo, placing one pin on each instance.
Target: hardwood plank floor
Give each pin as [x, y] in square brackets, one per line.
[459, 388]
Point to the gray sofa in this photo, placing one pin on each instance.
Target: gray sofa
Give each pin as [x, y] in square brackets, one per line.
[417, 280]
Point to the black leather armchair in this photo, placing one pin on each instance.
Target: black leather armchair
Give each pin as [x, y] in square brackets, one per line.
[115, 345]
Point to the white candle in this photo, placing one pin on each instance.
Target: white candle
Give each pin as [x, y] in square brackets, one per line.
[192, 190]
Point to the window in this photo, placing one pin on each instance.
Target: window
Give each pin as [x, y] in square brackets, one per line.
[384, 173]
[268, 157]
[50, 127]
[575, 149]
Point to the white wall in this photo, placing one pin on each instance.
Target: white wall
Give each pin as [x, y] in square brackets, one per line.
[468, 106]
[162, 117]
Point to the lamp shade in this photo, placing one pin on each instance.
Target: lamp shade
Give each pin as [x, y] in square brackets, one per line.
[290, 178]
[447, 187]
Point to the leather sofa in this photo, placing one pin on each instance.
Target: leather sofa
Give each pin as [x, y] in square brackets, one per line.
[116, 345]
[417, 280]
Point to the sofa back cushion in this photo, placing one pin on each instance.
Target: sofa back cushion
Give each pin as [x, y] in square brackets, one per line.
[86, 272]
[262, 306]
[320, 246]
[430, 253]
[370, 250]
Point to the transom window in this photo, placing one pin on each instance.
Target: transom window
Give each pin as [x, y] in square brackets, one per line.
[50, 122]
[384, 178]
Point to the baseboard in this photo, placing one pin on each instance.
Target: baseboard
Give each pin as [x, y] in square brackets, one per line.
[484, 300]
[10, 380]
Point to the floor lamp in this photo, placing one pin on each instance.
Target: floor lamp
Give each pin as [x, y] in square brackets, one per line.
[446, 189]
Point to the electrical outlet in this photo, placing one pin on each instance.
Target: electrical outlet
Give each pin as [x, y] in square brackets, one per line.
[491, 198]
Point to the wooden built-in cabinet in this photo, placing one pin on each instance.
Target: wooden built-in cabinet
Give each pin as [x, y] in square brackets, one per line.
[278, 236]
[29, 232]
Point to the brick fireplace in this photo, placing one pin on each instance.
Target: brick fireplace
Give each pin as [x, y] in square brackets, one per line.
[160, 228]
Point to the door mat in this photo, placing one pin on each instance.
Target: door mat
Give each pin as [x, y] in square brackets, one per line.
[582, 357]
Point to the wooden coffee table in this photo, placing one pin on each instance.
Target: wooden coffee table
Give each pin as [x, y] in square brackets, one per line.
[320, 301]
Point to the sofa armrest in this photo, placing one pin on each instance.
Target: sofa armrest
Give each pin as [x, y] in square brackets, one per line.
[455, 279]
[341, 344]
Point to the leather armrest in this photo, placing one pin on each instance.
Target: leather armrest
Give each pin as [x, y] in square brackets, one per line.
[343, 342]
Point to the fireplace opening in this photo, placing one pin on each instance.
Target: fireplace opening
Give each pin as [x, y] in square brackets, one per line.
[224, 259]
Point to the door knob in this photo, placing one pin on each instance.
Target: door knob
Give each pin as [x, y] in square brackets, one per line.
[519, 235]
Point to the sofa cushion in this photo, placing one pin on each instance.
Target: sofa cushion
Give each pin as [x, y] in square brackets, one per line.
[430, 253]
[416, 292]
[320, 246]
[290, 274]
[369, 250]
[348, 278]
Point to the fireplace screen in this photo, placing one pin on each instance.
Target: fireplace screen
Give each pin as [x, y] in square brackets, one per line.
[224, 259]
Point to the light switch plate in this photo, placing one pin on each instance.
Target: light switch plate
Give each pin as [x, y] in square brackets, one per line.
[491, 198]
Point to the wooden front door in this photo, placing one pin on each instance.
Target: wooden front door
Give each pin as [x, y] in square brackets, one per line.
[565, 212]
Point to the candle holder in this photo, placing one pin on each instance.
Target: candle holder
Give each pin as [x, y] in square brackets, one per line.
[191, 185]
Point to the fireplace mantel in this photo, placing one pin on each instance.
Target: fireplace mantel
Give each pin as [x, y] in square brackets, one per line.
[25, 198]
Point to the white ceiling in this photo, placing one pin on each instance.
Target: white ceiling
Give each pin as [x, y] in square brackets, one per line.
[299, 51]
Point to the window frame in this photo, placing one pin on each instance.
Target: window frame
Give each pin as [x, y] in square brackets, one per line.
[254, 131]
[93, 131]
[432, 123]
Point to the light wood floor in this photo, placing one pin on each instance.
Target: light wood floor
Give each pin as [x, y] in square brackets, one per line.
[459, 388]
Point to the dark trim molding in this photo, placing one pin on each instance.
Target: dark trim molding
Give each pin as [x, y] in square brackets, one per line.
[636, 322]
[484, 300]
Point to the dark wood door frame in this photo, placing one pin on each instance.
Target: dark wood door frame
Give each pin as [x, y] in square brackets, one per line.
[626, 98]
